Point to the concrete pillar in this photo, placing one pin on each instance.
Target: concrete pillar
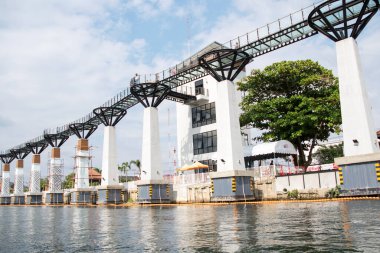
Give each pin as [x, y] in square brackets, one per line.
[19, 178]
[5, 183]
[35, 174]
[55, 179]
[151, 154]
[230, 149]
[82, 164]
[358, 128]
[109, 162]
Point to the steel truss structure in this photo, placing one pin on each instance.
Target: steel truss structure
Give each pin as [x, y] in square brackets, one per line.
[340, 19]
[150, 94]
[7, 157]
[110, 116]
[224, 64]
[83, 130]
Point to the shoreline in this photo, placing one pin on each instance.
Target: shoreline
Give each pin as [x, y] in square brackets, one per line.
[262, 202]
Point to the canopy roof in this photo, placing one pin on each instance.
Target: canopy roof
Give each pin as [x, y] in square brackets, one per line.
[194, 166]
[271, 149]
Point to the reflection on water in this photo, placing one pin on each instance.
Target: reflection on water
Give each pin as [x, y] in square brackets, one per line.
[283, 227]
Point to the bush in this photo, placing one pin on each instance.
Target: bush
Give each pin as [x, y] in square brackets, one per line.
[333, 192]
[293, 194]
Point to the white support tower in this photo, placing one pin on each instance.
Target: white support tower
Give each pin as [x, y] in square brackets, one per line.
[35, 174]
[82, 164]
[151, 154]
[5, 182]
[19, 178]
[55, 171]
[230, 148]
[358, 128]
[109, 162]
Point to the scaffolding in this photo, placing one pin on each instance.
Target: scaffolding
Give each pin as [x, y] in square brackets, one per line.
[19, 182]
[5, 185]
[34, 179]
[55, 174]
[82, 164]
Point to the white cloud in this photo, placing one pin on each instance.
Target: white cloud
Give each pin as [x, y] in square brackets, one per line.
[149, 8]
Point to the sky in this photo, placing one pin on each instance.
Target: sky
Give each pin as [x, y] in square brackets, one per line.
[61, 59]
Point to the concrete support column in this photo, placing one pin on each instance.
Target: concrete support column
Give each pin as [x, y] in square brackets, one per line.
[359, 134]
[151, 153]
[56, 173]
[19, 178]
[230, 149]
[109, 162]
[5, 183]
[35, 174]
[82, 164]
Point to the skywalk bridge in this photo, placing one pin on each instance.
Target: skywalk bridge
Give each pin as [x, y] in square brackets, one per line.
[339, 20]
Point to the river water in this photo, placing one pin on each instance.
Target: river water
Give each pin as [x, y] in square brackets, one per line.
[283, 227]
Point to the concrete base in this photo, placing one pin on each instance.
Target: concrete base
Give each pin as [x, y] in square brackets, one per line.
[83, 197]
[109, 195]
[230, 189]
[154, 193]
[18, 200]
[5, 200]
[54, 198]
[33, 198]
[359, 175]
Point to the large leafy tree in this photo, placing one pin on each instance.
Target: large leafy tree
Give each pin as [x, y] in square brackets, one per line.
[326, 154]
[292, 100]
[68, 183]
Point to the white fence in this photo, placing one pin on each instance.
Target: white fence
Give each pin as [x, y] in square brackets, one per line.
[199, 178]
[279, 170]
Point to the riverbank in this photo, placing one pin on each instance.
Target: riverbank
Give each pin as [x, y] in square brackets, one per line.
[262, 202]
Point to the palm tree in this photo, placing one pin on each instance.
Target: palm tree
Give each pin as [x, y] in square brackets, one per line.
[137, 163]
[124, 167]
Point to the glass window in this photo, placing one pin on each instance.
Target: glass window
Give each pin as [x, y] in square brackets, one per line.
[204, 142]
[203, 115]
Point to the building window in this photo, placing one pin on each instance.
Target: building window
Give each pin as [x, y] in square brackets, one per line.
[203, 115]
[212, 166]
[204, 143]
[199, 89]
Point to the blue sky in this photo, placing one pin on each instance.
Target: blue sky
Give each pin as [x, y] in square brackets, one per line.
[61, 59]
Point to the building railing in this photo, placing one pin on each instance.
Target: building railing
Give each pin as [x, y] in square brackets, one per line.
[192, 91]
[281, 170]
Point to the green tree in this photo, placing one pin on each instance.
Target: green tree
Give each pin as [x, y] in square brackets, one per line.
[137, 163]
[292, 100]
[44, 183]
[68, 183]
[124, 167]
[326, 154]
[97, 170]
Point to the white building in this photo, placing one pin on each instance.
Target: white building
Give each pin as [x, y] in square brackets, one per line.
[198, 125]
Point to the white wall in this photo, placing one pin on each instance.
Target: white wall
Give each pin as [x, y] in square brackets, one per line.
[327, 179]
